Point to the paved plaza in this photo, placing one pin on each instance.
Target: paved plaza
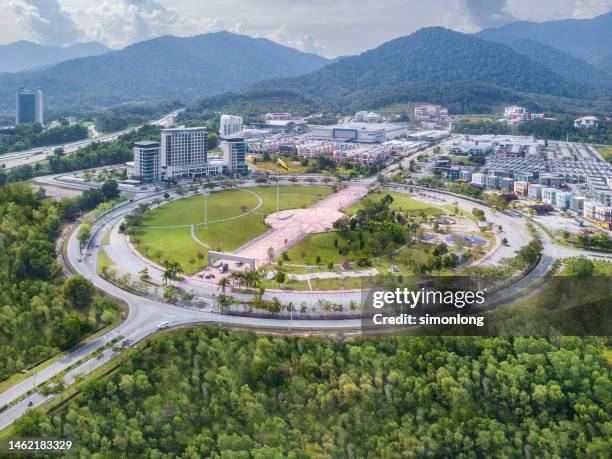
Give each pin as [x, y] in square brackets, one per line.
[291, 226]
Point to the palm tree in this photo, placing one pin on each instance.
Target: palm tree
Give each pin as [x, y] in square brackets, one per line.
[171, 270]
[167, 275]
[252, 278]
[223, 283]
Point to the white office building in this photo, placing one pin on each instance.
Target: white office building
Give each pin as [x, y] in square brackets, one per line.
[536, 191]
[147, 161]
[229, 124]
[183, 153]
[367, 117]
[577, 203]
[234, 153]
[587, 122]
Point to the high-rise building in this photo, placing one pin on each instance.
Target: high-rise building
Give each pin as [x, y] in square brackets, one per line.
[183, 153]
[29, 106]
[230, 124]
[147, 161]
[234, 153]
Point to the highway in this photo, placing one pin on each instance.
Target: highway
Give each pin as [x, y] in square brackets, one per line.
[39, 154]
[145, 314]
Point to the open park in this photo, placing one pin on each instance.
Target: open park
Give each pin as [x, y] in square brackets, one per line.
[180, 231]
[317, 237]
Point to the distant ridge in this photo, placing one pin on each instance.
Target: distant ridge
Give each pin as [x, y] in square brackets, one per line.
[26, 55]
[586, 39]
[433, 64]
[164, 68]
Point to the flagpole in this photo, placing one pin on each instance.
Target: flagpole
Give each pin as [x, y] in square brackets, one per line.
[278, 194]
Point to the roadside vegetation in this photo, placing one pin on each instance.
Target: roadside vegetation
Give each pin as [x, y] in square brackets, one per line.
[42, 311]
[94, 155]
[26, 136]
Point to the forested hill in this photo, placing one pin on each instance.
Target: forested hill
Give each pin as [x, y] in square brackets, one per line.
[572, 68]
[464, 65]
[587, 39]
[433, 55]
[164, 68]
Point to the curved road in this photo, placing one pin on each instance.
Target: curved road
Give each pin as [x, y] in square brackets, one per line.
[145, 315]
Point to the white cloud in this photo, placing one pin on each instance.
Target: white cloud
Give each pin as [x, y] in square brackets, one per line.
[118, 23]
[304, 42]
[488, 13]
[46, 20]
[329, 28]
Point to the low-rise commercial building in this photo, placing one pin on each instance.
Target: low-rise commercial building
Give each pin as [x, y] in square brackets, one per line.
[359, 132]
[479, 179]
[521, 188]
[536, 191]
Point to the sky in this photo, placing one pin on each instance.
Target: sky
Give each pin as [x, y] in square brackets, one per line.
[327, 27]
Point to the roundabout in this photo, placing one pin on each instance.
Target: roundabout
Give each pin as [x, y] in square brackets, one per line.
[146, 311]
[315, 258]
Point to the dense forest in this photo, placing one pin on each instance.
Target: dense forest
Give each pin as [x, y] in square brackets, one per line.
[210, 393]
[42, 312]
[26, 136]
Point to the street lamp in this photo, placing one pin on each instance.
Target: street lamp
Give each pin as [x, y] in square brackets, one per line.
[205, 194]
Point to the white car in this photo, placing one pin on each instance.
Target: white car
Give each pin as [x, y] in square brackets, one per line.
[163, 325]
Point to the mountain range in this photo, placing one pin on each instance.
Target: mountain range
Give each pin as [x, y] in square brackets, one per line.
[162, 68]
[26, 55]
[550, 66]
[586, 39]
[437, 65]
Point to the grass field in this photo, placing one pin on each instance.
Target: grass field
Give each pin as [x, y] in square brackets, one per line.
[230, 235]
[400, 202]
[322, 244]
[605, 151]
[177, 244]
[190, 210]
[165, 244]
